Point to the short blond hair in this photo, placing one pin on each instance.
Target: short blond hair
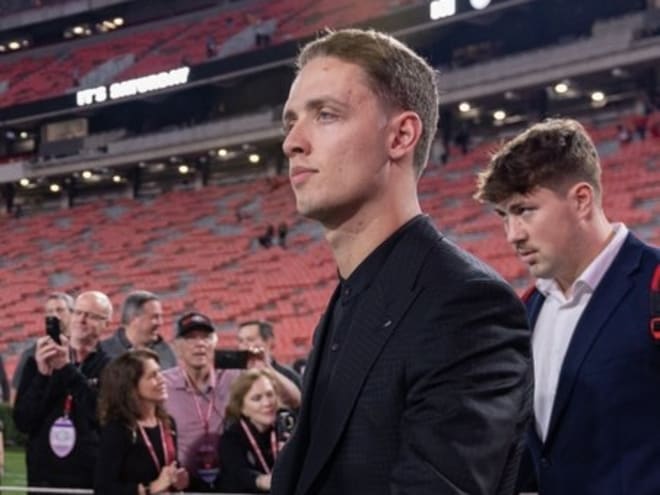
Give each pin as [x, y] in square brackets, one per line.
[399, 76]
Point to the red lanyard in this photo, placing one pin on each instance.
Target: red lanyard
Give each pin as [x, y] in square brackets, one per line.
[68, 405]
[257, 450]
[205, 420]
[168, 447]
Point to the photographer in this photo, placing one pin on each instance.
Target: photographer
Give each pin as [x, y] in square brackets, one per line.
[258, 337]
[197, 398]
[250, 444]
[56, 399]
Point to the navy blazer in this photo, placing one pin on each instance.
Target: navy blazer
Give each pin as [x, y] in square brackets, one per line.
[431, 392]
[604, 433]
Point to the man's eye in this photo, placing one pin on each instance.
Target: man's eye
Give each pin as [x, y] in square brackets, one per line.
[325, 115]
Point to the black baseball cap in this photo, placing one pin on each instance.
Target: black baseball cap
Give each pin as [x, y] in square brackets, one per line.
[193, 321]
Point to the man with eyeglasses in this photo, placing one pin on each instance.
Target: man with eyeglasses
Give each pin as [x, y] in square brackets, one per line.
[56, 399]
[197, 398]
[59, 305]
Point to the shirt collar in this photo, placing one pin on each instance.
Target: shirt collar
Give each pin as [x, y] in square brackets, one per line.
[181, 380]
[594, 273]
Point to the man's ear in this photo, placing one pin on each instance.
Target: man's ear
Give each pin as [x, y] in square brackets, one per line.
[583, 198]
[405, 132]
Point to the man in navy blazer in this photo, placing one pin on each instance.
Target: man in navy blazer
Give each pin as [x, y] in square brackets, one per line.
[597, 365]
[418, 380]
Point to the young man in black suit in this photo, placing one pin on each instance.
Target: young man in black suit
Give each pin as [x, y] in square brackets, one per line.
[418, 380]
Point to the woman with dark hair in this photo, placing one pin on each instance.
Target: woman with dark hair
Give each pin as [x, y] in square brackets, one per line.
[249, 445]
[138, 449]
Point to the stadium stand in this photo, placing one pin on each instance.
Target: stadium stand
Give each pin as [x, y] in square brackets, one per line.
[188, 246]
[171, 43]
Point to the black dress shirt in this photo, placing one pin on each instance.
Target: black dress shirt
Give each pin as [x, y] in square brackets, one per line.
[343, 307]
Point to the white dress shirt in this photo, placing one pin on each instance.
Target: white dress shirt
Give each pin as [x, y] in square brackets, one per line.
[556, 323]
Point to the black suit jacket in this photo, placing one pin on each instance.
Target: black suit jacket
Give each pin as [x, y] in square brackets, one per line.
[431, 393]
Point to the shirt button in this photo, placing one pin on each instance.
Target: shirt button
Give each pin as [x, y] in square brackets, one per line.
[334, 347]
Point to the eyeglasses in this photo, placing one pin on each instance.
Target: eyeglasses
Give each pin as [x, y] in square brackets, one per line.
[88, 314]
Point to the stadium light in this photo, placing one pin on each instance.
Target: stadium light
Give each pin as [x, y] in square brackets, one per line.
[14, 45]
[116, 179]
[254, 158]
[439, 9]
[464, 107]
[184, 169]
[499, 115]
[597, 96]
[23, 135]
[561, 88]
[25, 182]
[479, 4]
[86, 174]
[55, 188]
[222, 152]
[119, 21]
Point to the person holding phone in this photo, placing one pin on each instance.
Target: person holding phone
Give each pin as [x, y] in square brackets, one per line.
[258, 337]
[58, 305]
[56, 399]
[197, 397]
[138, 451]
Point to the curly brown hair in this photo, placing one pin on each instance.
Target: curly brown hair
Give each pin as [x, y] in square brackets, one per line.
[118, 398]
[240, 387]
[555, 153]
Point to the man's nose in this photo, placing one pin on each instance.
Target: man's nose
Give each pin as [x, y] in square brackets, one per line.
[296, 141]
[514, 231]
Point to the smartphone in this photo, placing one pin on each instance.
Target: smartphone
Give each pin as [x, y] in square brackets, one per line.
[285, 421]
[227, 359]
[53, 328]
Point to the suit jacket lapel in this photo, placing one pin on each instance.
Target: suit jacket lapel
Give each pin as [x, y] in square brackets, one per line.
[610, 291]
[375, 320]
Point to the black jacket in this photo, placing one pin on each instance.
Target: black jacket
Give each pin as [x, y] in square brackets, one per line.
[40, 401]
[430, 394]
[124, 460]
[238, 463]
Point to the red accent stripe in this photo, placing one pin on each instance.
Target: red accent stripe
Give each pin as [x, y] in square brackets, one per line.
[528, 293]
[655, 282]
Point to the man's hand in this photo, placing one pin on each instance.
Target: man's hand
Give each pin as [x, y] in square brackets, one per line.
[51, 356]
[258, 359]
[63, 356]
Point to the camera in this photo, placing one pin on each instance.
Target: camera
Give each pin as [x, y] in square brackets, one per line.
[285, 422]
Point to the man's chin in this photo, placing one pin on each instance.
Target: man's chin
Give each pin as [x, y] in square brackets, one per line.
[538, 271]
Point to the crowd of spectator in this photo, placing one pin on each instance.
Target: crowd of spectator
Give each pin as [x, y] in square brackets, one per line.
[135, 414]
